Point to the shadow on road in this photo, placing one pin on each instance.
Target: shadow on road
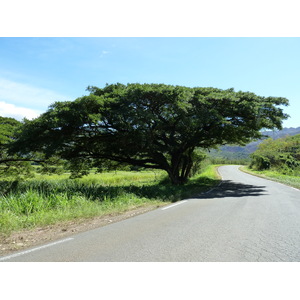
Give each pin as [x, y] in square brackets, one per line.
[232, 189]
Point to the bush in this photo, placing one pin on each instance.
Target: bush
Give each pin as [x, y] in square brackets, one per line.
[280, 155]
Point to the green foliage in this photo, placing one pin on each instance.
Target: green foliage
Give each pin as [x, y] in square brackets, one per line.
[281, 154]
[11, 164]
[7, 129]
[21, 166]
[148, 125]
[291, 180]
[217, 157]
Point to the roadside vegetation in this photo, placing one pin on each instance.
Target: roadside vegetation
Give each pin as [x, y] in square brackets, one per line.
[49, 199]
[278, 160]
[293, 181]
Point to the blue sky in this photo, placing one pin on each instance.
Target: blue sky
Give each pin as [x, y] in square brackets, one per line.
[35, 72]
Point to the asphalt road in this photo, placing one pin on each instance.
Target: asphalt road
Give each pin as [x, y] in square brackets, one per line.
[245, 218]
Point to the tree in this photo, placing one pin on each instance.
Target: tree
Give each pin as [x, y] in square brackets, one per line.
[17, 164]
[149, 125]
[10, 164]
[281, 155]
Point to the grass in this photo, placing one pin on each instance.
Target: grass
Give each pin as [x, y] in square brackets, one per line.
[46, 200]
[293, 181]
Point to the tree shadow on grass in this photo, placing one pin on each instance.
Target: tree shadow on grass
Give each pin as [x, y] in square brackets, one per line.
[163, 191]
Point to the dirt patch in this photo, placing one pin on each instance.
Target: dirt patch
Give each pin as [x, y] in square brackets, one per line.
[28, 238]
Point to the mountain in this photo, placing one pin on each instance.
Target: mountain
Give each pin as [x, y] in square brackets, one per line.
[239, 152]
[282, 133]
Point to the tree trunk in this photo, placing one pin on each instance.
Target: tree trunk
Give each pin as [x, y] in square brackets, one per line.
[175, 178]
[180, 169]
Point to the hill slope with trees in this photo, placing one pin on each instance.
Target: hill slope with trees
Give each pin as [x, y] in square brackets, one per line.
[282, 155]
[243, 152]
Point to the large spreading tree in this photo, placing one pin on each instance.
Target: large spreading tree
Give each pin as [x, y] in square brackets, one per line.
[149, 125]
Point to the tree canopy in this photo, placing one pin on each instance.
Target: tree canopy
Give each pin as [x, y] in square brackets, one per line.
[149, 125]
[10, 164]
[7, 128]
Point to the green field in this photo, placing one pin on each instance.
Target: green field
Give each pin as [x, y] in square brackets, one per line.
[45, 200]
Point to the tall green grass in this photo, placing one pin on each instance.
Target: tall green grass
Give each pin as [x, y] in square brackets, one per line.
[47, 200]
[293, 181]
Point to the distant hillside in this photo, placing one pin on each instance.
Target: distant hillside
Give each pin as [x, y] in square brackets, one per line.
[238, 152]
[282, 133]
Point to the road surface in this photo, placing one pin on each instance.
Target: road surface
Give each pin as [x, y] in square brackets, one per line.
[245, 218]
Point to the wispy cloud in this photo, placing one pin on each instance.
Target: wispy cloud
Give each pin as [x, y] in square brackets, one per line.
[103, 53]
[17, 112]
[25, 95]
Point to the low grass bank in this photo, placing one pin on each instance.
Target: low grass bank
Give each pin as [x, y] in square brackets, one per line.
[293, 181]
[46, 200]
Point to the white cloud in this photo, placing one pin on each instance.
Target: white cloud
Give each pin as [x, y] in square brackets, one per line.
[16, 112]
[104, 52]
[25, 95]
